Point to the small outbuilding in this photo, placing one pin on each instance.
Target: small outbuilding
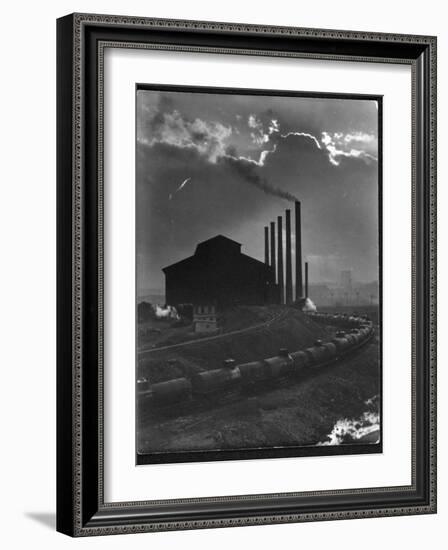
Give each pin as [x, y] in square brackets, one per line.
[205, 318]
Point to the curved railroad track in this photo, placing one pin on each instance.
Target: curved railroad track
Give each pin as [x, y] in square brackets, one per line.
[281, 315]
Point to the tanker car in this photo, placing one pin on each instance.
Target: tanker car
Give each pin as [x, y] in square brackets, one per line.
[354, 332]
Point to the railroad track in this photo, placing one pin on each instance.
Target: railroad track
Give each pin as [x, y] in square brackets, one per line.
[226, 397]
[208, 388]
[281, 315]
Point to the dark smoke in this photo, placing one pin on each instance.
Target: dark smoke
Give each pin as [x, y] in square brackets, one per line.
[248, 171]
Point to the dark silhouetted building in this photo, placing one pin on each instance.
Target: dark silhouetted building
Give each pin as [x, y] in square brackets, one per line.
[218, 273]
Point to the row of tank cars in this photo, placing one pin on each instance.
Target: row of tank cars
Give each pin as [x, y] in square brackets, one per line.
[353, 332]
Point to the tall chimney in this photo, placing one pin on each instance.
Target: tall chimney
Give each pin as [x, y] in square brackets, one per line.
[306, 279]
[288, 279]
[266, 245]
[280, 258]
[299, 282]
[273, 250]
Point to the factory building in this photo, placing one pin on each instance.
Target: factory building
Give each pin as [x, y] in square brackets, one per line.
[219, 273]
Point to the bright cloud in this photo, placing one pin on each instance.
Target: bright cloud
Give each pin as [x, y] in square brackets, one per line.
[303, 134]
[209, 139]
[258, 135]
[341, 145]
[212, 140]
[360, 137]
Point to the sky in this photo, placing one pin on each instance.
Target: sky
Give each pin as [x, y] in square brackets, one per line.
[210, 164]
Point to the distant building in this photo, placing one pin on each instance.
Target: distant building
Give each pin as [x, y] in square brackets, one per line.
[320, 294]
[205, 318]
[346, 279]
[218, 273]
[331, 294]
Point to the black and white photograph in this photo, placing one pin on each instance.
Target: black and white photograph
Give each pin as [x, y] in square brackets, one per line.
[258, 274]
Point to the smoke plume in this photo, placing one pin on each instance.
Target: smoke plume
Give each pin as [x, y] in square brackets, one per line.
[168, 312]
[309, 305]
[247, 170]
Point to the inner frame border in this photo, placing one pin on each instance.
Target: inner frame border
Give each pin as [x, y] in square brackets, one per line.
[252, 453]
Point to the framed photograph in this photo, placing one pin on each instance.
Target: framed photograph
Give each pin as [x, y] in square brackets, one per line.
[246, 274]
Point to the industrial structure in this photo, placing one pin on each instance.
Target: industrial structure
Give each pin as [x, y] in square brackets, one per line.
[205, 318]
[284, 275]
[219, 273]
[306, 279]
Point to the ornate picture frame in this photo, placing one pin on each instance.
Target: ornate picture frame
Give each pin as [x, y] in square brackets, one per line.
[81, 506]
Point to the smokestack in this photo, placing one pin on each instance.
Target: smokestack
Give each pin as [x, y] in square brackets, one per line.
[280, 258]
[288, 286]
[299, 283]
[273, 249]
[266, 245]
[306, 279]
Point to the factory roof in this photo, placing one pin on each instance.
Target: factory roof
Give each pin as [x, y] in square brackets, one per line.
[218, 242]
[219, 245]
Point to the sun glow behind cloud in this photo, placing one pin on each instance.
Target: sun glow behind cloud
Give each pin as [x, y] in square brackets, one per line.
[214, 140]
